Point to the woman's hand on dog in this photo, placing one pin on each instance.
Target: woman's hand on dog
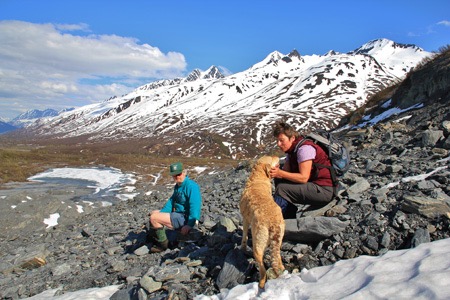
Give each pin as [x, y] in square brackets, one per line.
[275, 172]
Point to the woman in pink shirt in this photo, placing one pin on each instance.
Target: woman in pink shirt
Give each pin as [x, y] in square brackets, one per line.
[304, 178]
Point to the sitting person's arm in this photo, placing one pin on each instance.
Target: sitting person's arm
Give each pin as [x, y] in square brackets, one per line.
[195, 206]
[301, 177]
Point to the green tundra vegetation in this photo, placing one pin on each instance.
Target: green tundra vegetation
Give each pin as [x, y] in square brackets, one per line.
[20, 161]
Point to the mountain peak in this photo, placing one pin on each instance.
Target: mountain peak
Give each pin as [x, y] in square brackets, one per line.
[194, 75]
[35, 114]
[294, 53]
[272, 58]
[331, 53]
[212, 73]
[275, 57]
[377, 45]
[388, 54]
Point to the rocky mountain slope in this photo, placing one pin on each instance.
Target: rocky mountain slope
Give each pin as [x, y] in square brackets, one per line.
[211, 115]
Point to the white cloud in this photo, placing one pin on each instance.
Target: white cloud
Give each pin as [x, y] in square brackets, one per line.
[444, 22]
[413, 34]
[430, 29]
[44, 66]
[73, 27]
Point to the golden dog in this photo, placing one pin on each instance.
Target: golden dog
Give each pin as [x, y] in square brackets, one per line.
[261, 213]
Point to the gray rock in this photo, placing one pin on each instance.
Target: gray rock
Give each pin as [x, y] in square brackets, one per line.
[227, 223]
[143, 250]
[427, 184]
[394, 169]
[426, 206]
[313, 229]
[386, 240]
[359, 187]
[431, 137]
[380, 195]
[149, 284]
[372, 243]
[446, 144]
[234, 271]
[298, 248]
[176, 272]
[420, 236]
[61, 269]
[446, 127]
[440, 152]
[117, 266]
[112, 250]
[124, 294]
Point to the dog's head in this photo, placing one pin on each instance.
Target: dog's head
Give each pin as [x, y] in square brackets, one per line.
[267, 162]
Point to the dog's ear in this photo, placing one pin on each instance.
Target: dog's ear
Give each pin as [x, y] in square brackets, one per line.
[267, 168]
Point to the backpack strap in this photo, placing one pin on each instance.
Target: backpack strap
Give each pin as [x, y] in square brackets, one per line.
[300, 144]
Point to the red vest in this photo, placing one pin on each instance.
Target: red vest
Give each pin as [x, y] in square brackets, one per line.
[319, 175]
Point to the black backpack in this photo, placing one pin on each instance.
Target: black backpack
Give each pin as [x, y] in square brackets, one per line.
[336, 151]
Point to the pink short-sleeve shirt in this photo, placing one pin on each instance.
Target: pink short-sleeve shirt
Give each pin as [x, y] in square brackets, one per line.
[304, 153]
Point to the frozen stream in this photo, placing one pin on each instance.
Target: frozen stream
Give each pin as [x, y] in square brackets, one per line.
[108, 184]
[57, 196]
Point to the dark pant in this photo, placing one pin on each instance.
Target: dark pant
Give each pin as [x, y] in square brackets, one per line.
[304, 193]
[288, 193]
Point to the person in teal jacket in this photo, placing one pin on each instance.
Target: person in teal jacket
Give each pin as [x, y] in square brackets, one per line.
[182, 210]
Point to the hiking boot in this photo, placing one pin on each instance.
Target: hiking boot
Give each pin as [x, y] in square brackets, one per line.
[159, 247]
[161, 243]
[155, 235]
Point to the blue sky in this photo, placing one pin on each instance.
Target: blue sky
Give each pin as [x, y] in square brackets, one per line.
[82, 52]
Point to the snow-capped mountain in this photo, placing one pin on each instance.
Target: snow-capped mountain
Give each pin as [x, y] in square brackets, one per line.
[35, 114]
[233, 115]
[397, 58]
[31, 116]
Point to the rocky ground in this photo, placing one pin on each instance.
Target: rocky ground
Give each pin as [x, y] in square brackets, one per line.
[395, 196]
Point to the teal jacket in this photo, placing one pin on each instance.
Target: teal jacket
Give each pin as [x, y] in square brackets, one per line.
[186, 199]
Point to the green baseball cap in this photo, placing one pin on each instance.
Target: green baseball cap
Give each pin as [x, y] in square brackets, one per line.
[176, 168]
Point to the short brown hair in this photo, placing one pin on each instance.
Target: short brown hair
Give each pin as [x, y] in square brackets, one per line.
[282, 127]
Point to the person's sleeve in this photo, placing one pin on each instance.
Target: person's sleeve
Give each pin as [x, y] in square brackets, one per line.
[167, 208]
[195, 204]
[306, 152]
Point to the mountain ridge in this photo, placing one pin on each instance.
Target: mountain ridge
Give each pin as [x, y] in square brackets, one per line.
[231, 115]
[33, 115]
